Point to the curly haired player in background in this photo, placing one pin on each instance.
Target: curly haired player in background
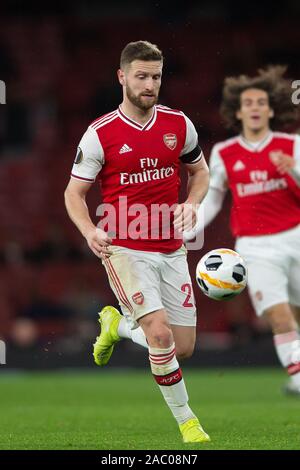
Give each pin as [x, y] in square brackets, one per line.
[261, 168]
[136, 151]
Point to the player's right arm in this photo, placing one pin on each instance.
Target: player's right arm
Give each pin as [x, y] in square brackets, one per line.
[215, 196]
[89, 161]
[75, 201]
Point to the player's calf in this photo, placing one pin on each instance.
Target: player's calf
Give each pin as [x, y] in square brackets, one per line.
[286, 341]
[185, 339]
[183, 354]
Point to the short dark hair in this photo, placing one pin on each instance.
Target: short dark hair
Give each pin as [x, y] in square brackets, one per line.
[140, 50]
[271, 81]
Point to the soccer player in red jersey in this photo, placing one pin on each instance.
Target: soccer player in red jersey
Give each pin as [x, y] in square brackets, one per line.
[261, 168]
[136, 152]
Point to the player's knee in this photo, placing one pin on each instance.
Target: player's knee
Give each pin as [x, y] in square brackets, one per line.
[162, 336]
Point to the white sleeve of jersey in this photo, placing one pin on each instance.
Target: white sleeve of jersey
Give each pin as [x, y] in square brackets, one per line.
[89, 158]
[191, 140]
[208, 210]
[218, 174]
[296, 170]
[213, 201]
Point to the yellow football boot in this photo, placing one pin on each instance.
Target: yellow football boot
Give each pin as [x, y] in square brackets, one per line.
[109, 319]
[192, 431]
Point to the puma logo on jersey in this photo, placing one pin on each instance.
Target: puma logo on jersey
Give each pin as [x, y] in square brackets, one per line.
[125, 149]
[238, 166]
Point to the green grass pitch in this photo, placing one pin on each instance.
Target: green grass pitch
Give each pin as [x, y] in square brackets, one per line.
[123, 409]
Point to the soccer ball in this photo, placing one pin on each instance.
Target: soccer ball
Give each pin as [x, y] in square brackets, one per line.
[221, 274]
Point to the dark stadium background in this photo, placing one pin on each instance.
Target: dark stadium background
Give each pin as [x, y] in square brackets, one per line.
[59, 63]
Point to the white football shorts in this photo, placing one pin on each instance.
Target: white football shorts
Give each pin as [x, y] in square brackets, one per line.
[273, 263]
[146, 281]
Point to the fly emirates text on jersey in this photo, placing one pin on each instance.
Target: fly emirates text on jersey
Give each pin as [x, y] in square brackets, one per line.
[149, 172]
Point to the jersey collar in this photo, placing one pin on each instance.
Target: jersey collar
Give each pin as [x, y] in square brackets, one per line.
[255, 146]
[135, 124]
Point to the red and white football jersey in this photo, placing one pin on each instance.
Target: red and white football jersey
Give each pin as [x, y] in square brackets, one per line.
[264, 201]
[138, 169]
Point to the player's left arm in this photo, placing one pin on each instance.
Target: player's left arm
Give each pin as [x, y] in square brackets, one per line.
[185, 215]
[198, 181]
[286, 163]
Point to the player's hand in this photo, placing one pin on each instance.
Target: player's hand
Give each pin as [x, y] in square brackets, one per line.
[283, 162]
[185, 217]
[98, 242]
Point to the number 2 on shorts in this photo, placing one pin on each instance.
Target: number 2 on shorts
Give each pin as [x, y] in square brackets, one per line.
[187, 289]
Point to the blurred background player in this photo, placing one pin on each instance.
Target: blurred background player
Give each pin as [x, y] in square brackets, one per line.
[261, 168]
[136, 150]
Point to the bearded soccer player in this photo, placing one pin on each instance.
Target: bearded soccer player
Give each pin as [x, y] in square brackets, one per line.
[136, 152]
[261, 168]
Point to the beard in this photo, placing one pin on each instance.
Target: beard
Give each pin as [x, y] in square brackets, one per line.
[137, 100]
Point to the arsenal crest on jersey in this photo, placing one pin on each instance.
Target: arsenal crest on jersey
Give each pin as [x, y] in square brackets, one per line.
[138, 298]
[170, 140]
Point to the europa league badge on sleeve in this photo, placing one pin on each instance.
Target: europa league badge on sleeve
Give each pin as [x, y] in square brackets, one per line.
[79, 156]
[2, 92]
